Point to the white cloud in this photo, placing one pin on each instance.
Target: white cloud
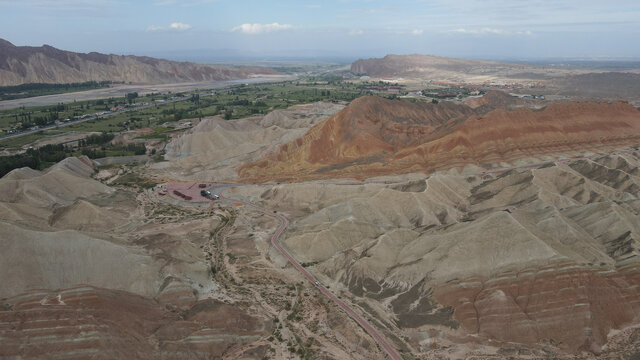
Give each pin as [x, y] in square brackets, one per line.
[253, 29]
[481, 31]
[417, 32]
[489, 31]
[179, 26]
[356, 32]
[176, 26]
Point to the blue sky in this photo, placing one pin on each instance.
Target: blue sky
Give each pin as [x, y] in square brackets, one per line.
[338, 28]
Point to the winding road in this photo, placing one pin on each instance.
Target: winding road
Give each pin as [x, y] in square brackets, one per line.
[275, 241]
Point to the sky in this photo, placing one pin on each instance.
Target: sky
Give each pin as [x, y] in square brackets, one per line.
[349, 29]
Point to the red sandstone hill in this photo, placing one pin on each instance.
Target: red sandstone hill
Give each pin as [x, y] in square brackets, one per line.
[375, 136]
[371, 126]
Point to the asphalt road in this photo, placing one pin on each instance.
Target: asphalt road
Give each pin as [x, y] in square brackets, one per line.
[275, 241]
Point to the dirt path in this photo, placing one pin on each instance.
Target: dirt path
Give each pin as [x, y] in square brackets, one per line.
[275, 241]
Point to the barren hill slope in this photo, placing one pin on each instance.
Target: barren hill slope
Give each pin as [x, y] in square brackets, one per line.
[89, 322]
[473, 71]
[46, 64]
[215, 147]
[61, 228]
[544, 258]
[374, 136]
[402, 65]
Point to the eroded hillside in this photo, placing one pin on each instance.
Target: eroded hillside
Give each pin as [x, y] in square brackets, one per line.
[375, 136]
[216, 147]
[544, 258]
[109, 269]
[480, 230]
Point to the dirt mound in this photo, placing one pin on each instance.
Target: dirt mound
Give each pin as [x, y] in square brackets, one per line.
[375, 136]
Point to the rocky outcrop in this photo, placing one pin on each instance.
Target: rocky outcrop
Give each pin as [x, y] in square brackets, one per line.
[46, 64]
[375, 136]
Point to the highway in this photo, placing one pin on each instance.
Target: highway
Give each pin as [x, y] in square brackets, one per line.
[275, 241]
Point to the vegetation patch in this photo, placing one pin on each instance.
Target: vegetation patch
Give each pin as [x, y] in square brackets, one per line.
[134, 180]
[38, 89]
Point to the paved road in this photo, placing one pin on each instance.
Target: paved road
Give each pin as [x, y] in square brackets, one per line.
[275, 241]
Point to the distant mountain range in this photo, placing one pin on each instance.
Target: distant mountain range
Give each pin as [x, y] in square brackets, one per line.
[46, 64]
[416, 65]
[612, 82]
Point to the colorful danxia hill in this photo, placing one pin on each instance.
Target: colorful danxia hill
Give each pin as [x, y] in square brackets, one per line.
[375, 136]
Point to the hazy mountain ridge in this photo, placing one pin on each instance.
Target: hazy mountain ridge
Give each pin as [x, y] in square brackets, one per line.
[46, 64]
[399, 65]
[609, 82]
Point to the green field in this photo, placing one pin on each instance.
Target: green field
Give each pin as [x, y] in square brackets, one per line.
[230, 103]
